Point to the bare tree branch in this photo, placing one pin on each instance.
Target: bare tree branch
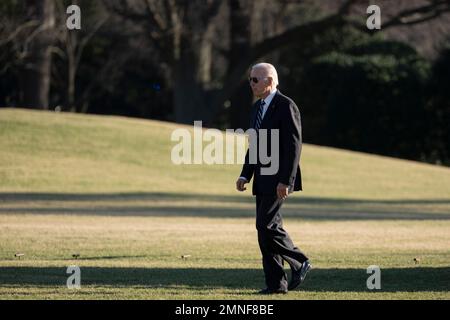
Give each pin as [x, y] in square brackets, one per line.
[154, 16]
[212, 11]
[345, 8]
[419, 14]
[122, 9]
[22, 28]
[103, 75]
[88, 38]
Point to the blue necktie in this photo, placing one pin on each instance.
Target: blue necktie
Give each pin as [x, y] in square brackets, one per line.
[259, 116]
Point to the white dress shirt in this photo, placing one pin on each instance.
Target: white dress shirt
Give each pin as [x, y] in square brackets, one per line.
[267, 101]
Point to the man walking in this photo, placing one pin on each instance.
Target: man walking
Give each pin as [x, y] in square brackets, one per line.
[272, 111]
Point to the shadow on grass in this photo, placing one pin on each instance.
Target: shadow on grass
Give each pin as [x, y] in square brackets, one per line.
[220, 206]
[318, 280]
[152, 196]
[81, 258]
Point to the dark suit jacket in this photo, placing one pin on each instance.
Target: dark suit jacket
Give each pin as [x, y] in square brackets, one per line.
[284, 115]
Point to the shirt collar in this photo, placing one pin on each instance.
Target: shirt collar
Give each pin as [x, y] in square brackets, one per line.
[269, 98]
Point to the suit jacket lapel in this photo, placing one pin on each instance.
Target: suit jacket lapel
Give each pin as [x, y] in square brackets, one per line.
[270, 109]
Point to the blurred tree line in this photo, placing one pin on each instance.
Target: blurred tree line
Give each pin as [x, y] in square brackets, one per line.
[182, 61]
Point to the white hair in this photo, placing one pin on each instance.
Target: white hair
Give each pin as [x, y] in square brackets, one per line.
[270, 69]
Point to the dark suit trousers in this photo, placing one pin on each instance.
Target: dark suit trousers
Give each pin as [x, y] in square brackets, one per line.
[275, 243]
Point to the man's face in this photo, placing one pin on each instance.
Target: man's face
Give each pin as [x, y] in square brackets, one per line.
[262, 87]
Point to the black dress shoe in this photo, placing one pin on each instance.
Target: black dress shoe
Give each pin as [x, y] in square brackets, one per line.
[272, 291]
[299, 276]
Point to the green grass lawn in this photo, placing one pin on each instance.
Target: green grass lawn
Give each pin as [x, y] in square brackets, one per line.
[105, 188]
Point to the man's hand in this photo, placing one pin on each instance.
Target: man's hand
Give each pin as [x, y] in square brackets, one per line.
[240, 184]
[282, 191]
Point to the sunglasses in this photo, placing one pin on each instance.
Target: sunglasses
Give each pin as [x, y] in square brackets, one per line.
[254, 79]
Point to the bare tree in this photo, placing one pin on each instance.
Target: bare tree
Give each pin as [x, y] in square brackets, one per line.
[71, 45]
[38, 34]
[38, 57]
[181, 32]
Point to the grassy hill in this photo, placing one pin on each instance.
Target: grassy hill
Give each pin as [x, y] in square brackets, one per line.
[104, 187]
[59, 152]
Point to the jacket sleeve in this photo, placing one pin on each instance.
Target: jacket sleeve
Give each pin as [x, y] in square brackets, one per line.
[247, 169]
[290, 143]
